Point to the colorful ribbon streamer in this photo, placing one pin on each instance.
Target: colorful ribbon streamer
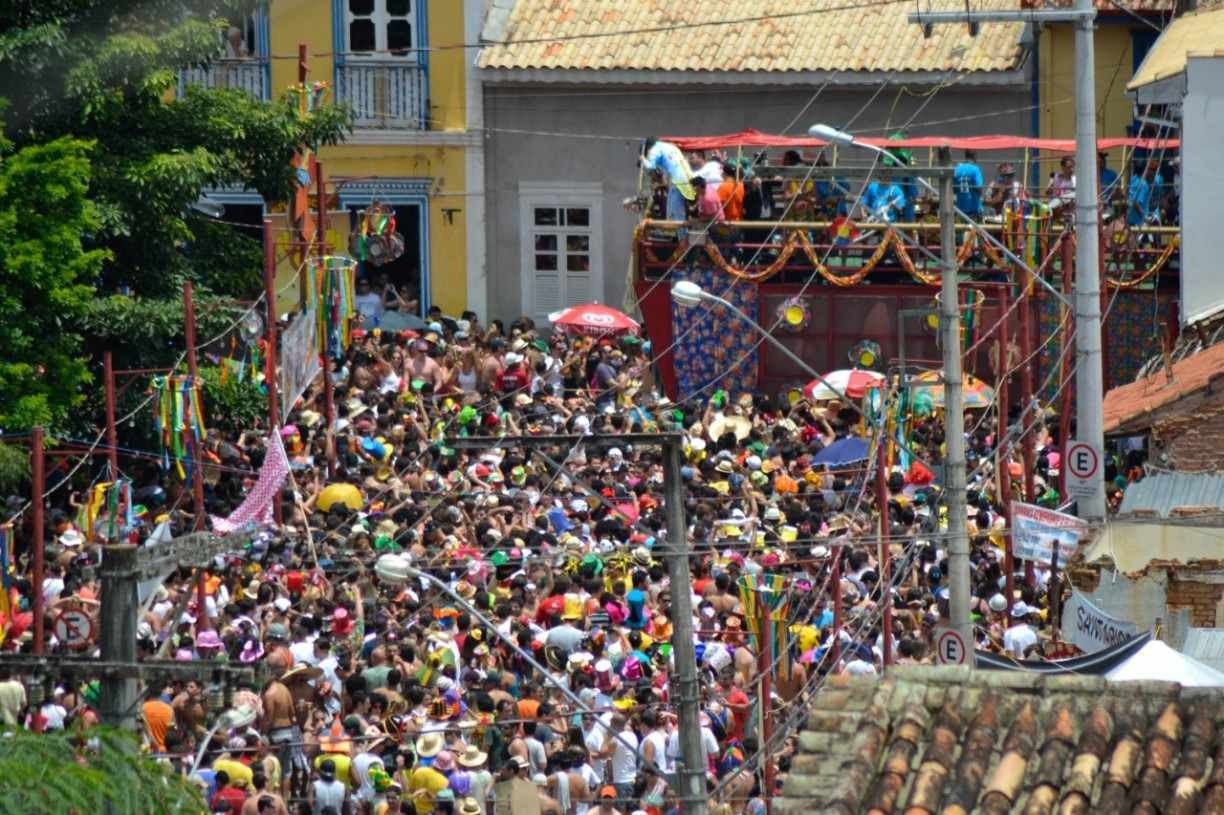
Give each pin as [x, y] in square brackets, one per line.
[331, 284]
[179, 419]
[766, 595]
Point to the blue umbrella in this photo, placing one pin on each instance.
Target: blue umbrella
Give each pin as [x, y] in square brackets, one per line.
[843, 451]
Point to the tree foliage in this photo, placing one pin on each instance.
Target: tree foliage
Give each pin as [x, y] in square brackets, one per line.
[103, 159]
[44, 280]
[51, 772]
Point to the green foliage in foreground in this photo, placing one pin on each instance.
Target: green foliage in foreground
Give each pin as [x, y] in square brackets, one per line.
[51, 773]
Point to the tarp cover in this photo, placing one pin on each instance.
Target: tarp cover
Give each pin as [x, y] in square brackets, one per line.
[755, 138]
[1157, 661]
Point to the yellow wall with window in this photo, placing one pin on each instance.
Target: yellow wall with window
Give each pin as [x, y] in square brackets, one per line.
[310, 21]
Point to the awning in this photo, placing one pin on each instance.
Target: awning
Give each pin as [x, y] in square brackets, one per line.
[1095, 664]
[752, 138]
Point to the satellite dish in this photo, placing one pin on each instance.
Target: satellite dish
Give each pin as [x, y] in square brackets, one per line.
[251, 328]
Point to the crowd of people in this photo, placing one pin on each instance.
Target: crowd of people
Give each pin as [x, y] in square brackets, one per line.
[715, 187]
[532, 673]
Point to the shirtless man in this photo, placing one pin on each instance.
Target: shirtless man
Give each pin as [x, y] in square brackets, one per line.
[568, 786]
[281, 725]
[421, 366]
[189, 710]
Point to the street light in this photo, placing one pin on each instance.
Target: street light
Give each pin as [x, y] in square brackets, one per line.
[954, 415]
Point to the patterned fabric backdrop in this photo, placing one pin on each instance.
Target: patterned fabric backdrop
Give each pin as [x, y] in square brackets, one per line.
[713, 347]
[1129, 337]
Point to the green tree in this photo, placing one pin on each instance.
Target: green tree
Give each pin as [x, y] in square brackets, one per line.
[104, 74]
[51, 772]
[44, 280]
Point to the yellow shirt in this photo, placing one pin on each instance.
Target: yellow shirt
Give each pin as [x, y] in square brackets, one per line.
[431, 782]
[240, 775]
[344, 767]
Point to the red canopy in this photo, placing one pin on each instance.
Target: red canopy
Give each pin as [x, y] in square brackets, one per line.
[594, 319]
[755, 138]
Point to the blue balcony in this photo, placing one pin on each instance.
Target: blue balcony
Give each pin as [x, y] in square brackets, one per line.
[249, 74]
[385, 94]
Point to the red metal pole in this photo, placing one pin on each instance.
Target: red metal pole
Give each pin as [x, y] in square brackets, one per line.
[38, 487]
[197, 454]
[321, 217]
[885, 555]
[112, 432]
[1028, 443]
[1003, 455]
[1067, 261]
[764, 668]
[270, 355]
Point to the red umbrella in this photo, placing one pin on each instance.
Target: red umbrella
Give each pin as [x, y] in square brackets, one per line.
[593, 318]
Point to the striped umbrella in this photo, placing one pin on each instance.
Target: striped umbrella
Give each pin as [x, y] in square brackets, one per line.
[977, 394]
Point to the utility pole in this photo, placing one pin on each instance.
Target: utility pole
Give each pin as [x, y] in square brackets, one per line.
[122, 569]
[1089, 378]
[1089, 382]
[112, 432]
[954, 417]
[685, 690]
[684, 652]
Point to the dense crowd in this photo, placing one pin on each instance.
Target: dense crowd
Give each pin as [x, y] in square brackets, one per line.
[538, 681]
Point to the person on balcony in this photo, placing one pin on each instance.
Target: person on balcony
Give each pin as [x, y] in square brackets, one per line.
[967, 181]
[709, 208]
[666, 159]
[1004, 188]
[884, 200]
[1061, 189]
[731, 192]
[1139, 197]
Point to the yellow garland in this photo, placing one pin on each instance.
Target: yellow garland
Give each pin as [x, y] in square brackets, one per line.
[1156, 267]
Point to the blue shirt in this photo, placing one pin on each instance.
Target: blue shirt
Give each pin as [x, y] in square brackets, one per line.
[1108, 180]
[883, 202]
[1138, 200]
[967, 181]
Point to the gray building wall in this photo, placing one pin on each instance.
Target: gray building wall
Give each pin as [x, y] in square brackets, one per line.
[1202, 285]
[530, 140]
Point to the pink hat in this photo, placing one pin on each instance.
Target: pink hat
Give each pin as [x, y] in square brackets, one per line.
[445, 762]
[289, 430]
[208, 639]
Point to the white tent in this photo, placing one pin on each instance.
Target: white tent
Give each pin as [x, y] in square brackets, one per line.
[1160, 662]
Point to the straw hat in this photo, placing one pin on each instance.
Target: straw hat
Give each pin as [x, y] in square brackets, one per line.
[429, 745]
[741, 426]
[472, 757]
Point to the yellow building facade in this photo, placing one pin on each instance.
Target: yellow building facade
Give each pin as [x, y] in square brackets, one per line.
[405, 69]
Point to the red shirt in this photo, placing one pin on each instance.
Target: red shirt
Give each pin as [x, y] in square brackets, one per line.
[514, 380]
[549, 606]
[738, 702]
[232, 797]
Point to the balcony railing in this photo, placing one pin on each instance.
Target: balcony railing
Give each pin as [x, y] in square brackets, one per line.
[385, 95]
[249, 74]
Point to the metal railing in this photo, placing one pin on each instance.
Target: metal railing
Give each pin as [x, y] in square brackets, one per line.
[385, 94]
[250, 74]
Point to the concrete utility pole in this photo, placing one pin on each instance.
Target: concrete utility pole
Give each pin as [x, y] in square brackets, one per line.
[685, 690]
[1089, 381]
[1089, 378]
[954, 421]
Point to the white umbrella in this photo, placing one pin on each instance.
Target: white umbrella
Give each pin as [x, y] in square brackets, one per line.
[851, 382]
[1160, 662]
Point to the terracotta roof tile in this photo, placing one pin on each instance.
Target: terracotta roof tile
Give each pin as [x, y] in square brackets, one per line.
[763, 36]
[1161, 6]
[938, 740]
[1125, 406]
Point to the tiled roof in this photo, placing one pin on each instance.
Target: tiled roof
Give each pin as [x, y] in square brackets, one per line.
[927, 740]
[762, 36]
[1162, 494]
[1198, 33]
[1126, 404]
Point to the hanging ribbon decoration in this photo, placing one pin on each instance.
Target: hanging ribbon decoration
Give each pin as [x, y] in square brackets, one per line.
[179, 419]
[331, 284]
[762, 595]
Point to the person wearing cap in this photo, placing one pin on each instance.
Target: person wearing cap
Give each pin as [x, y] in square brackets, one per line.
[326, 791]
[1020, 636]
[606, 800]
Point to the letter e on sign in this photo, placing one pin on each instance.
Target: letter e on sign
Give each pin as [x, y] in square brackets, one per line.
[1083, 468]
[950, 647]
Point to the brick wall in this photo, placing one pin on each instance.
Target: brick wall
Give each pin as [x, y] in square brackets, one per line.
[1192, 440]
[1200, 598]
